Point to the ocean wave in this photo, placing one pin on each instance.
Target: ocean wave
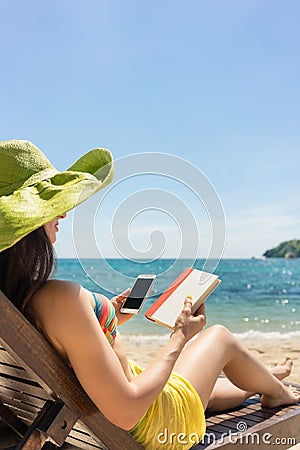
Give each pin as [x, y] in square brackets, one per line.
[146, 337]
[267, 335]
[250, 334]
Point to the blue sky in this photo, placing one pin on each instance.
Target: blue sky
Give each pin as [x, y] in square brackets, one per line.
[214, 82]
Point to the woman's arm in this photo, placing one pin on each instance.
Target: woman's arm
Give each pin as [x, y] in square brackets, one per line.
[73, 324]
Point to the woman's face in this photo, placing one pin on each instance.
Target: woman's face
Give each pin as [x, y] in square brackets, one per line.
[51, 228]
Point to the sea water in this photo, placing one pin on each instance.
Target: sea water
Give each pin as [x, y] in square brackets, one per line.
[255, 297]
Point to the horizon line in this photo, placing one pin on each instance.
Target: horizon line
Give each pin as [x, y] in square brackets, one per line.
[258, 258]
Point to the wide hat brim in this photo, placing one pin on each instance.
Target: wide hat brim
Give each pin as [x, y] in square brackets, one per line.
[32, 205]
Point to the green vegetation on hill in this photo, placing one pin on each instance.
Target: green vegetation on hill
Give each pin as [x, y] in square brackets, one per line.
[287, 249]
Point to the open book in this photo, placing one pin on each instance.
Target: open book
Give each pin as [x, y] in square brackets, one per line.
[192, 282]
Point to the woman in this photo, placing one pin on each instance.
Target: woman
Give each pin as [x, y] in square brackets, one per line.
[178, 386]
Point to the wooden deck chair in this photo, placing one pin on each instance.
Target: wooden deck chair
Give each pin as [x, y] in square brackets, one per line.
[40, 396]
[253, 427]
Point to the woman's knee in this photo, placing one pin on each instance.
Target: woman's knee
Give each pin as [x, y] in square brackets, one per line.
[221, 333]
[219, 329]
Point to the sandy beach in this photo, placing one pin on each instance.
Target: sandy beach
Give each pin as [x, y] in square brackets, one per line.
[271, 352]
[268, 351]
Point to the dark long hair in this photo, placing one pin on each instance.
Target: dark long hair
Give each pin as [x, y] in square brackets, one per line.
[26, 266]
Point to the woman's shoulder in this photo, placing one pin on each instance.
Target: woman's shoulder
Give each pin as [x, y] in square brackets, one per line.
[55, 302]
[59, 294]
[56, 287]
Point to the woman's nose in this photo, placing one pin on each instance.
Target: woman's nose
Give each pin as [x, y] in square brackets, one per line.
[63, 216]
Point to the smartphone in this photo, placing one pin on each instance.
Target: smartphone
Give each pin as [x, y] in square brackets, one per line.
[139, 292]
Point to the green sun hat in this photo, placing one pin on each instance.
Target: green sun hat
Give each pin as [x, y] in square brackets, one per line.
[33, 192]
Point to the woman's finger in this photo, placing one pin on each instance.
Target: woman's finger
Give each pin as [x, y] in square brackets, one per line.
[121, 297]
[187, 306]
[201, 318]
[124, 294]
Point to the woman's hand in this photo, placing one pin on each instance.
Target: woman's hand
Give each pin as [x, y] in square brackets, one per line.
[118, 301]
[190, 324]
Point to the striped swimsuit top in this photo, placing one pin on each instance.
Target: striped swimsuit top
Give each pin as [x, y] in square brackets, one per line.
[105, 313]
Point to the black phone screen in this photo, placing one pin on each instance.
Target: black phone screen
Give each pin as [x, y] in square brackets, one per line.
[138, 293]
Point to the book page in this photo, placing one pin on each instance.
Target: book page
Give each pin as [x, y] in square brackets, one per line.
[198, 284]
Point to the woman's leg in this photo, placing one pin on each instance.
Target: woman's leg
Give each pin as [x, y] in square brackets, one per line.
[216, 349]
[226, 395]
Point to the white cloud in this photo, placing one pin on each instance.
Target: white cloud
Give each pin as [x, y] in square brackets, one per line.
[252, 231]
[248, 233]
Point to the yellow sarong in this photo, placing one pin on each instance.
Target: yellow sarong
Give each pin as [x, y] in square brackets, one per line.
[175, 420]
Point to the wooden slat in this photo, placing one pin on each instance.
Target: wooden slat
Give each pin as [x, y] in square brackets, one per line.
[28, 399]
[20, 405]
[6, 358]
[251, 420]
[83, 442]
[19, 385]
[16, 372]
[26, 420]
[81, 432]
[220, 428]
[82, 445]
[23, 414]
